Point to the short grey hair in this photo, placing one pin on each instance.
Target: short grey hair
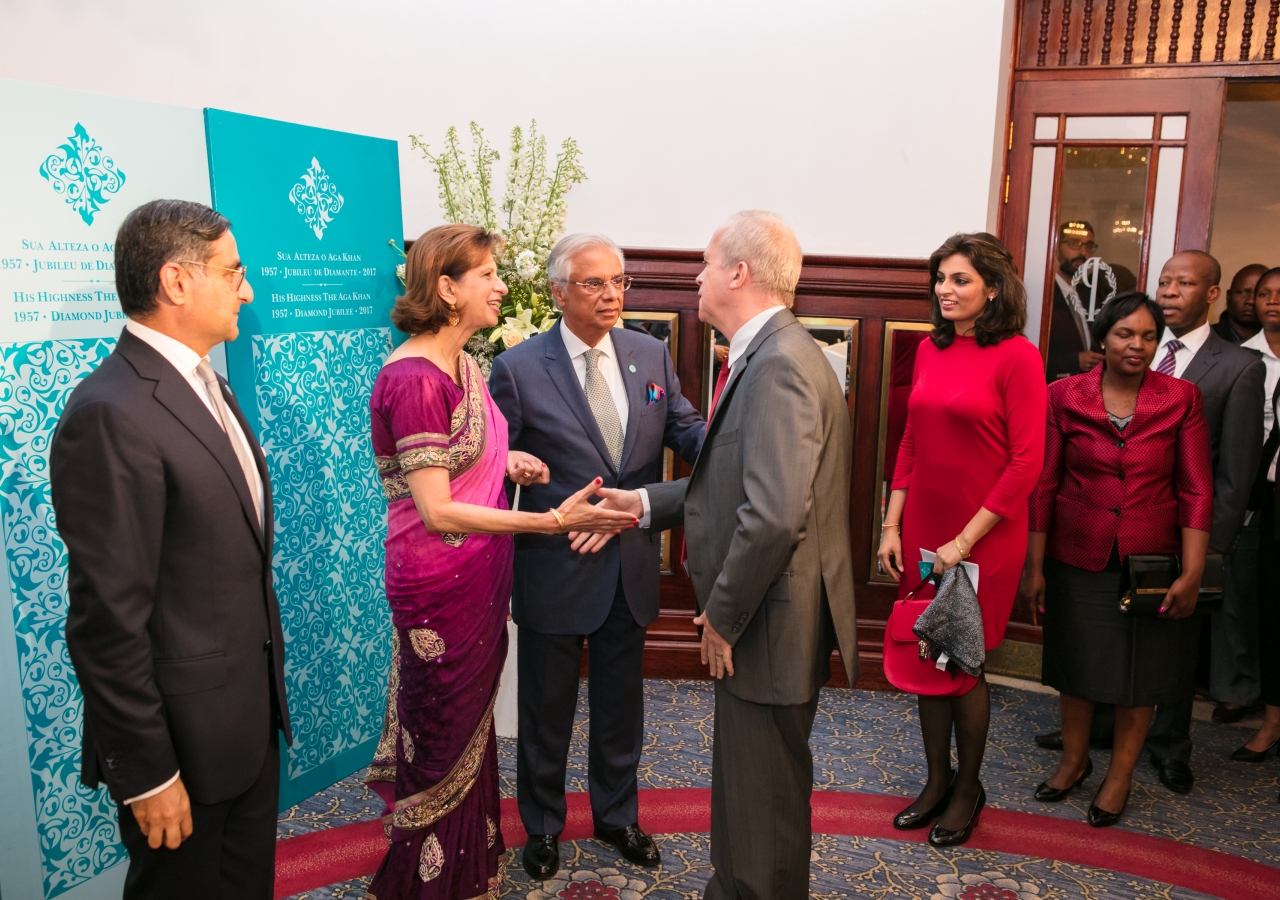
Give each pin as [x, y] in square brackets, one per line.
[570, 246]
[769, 248]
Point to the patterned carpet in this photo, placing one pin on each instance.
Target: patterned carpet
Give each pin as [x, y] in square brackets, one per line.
[869, 742]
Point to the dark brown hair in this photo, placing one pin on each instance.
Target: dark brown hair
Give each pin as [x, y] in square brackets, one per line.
[156, 233]
[1006, 314]
[451, 250]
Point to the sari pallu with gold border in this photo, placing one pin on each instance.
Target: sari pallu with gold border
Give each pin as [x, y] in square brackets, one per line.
[436, 765]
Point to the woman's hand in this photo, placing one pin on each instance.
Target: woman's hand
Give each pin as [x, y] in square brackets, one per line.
[890, 553]
[580, 514]
[1031, 591]
[1180, 602]
[948, 557]
[525, 468]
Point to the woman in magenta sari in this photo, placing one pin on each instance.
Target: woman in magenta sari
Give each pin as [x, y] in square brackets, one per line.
[441, 449]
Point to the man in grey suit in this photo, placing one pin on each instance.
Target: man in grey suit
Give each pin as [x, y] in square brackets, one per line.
[766, 518]
[587, 399]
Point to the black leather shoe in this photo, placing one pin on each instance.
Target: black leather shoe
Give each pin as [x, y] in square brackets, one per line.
[908, 821]
[1100, 818]
[634, 845]
[1051, 740]
[541, 856]
[1244, 754]
[945, 837]
[1047, 794]
[1225, 715]
[1174, 774]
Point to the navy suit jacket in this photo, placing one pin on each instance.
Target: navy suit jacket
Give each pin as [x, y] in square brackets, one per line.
[558, 591]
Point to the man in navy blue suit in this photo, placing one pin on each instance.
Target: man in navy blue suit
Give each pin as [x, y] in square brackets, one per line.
[588, 399]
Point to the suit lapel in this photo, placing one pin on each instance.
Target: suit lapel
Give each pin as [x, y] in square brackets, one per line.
[1204, 360]
[560, 370]
[175, 394]
[637, 398]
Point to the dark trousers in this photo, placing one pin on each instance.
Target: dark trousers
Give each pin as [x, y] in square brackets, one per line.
[548, 666]
[231, 854]
[761, 783]
[1269, 604]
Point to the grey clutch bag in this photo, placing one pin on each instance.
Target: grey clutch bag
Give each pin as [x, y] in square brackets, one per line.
[952, 624]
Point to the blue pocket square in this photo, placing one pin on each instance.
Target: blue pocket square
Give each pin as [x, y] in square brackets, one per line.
[655, 393]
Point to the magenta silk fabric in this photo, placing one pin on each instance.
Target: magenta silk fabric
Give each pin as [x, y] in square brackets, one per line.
[436, 765]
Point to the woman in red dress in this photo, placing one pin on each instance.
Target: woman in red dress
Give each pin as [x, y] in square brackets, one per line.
[969, 459]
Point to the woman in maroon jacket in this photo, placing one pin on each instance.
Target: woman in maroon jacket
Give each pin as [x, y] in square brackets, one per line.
[1127, 470]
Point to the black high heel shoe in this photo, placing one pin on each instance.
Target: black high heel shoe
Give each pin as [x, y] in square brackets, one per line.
[1244, 754]
[1100, 818]
[945, 837]
[1047, 794]
[907, 821]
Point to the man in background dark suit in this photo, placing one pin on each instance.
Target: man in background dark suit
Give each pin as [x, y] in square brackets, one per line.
[162, 498]
[588, 399]
[1239, 321]
[1070, 347]
[1231, 380]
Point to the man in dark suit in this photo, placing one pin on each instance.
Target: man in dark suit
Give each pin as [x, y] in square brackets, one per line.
[1239, 321]
[587, 399]
[1231, 381]
[766, 518]
[162, 498]
[1070, 347]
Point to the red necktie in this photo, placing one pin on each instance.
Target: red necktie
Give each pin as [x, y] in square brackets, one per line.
[721, 380]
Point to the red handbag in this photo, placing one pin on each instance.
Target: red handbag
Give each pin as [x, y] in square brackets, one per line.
[907, 663]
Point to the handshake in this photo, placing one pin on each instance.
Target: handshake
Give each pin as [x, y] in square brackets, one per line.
[589, 525]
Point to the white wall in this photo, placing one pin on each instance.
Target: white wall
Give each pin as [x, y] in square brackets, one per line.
[868, 124]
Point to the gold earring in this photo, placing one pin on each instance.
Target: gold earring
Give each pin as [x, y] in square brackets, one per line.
[453, 315]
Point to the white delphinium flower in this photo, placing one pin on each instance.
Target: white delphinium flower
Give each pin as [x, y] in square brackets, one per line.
[528, 265]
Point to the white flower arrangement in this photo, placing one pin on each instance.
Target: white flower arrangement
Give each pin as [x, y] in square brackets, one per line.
[530, 219]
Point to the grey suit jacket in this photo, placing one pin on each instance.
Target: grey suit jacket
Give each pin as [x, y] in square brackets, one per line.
[1231, 381]
[766, 518]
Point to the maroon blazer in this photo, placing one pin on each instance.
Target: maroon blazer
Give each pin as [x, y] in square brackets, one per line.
[1139, 487]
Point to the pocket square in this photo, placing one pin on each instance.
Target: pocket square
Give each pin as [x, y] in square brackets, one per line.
[655, 393]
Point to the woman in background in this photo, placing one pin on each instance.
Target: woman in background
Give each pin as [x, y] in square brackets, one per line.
[1127, 470]
[968, 461]
[440, 445]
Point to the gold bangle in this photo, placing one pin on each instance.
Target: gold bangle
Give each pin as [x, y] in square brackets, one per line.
[890, 525]
[963, 555]
[559, 518]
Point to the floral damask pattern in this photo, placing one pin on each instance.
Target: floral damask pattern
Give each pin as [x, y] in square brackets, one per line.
[82, 172]
[77, 827]
[431, 860]
[313, 392]
[316, 198]
[426, 643]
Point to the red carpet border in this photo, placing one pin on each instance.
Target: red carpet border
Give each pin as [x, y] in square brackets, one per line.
[340, 854]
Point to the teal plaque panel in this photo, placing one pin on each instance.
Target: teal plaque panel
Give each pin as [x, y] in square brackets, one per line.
[313, 212]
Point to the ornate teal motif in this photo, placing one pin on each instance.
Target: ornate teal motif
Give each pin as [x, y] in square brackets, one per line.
[316, 198]
[313, 393]
[77, 826]
[83, 173]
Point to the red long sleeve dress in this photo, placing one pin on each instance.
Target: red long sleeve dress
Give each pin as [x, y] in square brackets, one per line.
[975, 438]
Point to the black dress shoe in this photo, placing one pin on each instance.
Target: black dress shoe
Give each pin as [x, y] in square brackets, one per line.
[1225, 715]
[1244, 754]
[945, 837]
[1174, 774]
[1047, 794]
[1051, 740]
[907, 821]
[1100, 818]
[634, 845]
[541, 856]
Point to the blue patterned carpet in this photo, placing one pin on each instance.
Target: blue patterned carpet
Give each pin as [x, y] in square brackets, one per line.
[870, 742]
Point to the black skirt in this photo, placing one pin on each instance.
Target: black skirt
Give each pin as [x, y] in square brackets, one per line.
[1095, 652]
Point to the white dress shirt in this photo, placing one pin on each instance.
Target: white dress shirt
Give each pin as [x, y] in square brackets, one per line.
[743, 337]
[1272, 362]
[1192, 341]
[185, 360]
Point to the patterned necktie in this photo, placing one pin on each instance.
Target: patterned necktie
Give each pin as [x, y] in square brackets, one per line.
[600, 399]
[1170, 362]
[214, 390]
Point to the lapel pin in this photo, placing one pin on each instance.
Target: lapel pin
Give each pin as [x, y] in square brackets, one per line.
[631, 369]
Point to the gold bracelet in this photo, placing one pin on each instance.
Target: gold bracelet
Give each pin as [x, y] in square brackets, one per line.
[559, 518]
[890, 525]
[963, 555]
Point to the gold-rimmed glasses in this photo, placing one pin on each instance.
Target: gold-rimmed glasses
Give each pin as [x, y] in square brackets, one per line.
[1077, 244]
[239, 271]
[596, 285]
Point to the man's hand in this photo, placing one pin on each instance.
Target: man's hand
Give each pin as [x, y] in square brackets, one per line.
[717, 654]
[1089, 359]
[166, 817]
[623, 501]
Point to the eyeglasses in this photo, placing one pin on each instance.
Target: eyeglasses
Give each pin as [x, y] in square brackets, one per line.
[1077, 244]
[239, 270]
[596, 286]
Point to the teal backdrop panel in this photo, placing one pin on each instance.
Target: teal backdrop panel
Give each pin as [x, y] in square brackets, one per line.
[72, 165]
[314, 212]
